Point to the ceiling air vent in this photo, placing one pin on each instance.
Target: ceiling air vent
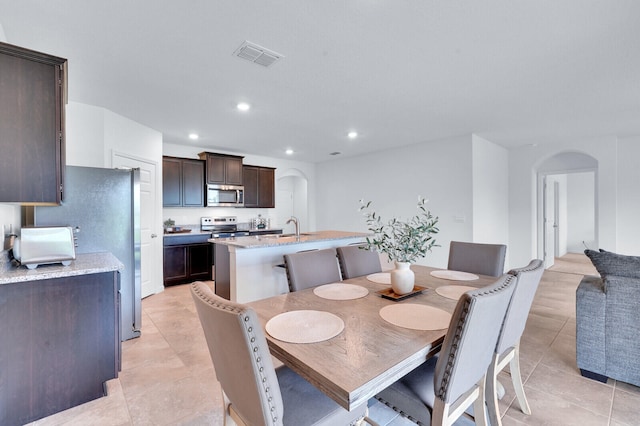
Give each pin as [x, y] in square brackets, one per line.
[257, 54]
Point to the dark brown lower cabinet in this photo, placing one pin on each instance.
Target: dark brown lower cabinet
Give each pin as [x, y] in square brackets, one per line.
[187, 263]
[59, 344]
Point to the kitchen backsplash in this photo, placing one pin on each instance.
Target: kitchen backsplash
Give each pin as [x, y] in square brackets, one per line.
[189, 216]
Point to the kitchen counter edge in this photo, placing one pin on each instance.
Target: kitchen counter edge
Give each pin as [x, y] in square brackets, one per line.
[263, 241]
[89, 263]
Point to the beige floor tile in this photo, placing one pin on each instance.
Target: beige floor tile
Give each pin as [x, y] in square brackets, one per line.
[626, 407]
[571, 388]
[548, 409]
[110, 410]
[177, 401]
[627, 387]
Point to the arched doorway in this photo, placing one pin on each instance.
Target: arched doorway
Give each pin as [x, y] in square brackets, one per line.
[567, 200]
[292, 199]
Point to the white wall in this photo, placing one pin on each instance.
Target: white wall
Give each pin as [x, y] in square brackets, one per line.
[94, 133]
[440, 171]
[490, 192]
[192, 215]
[628, 211]
[85, 135]
[580, 211]
[523, 161]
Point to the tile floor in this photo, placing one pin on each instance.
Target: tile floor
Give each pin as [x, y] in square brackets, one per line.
[167, 376]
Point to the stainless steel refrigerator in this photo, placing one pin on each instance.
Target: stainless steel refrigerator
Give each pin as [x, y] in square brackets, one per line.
[103, 205]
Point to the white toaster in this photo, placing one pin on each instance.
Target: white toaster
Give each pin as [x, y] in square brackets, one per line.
[43, 245]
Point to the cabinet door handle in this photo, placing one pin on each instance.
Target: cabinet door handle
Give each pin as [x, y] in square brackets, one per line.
[154, 236]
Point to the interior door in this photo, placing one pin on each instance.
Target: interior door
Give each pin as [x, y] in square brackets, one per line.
[550, 230]
[150, 243]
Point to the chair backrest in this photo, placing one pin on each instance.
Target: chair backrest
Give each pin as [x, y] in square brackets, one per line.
[240, 356]
[311, 268]
[518, 312]
[356, 261]
[471, 339]
[477, 258]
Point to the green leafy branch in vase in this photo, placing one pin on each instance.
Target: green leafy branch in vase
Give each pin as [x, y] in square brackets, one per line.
[401, 241]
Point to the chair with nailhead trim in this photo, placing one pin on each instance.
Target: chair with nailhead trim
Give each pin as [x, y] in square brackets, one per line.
[254, 392]
[439, 391]
[311, 268]
[477, 258]
[508, 347]
[356, 261]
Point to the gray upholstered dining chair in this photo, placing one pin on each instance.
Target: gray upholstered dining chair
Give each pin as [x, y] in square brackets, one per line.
[254, 392]
[508, 347]
[439, 391]
[477, 258]
[308, 269]
[356, 261]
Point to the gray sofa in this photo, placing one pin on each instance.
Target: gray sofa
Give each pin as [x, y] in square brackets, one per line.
[608, 319]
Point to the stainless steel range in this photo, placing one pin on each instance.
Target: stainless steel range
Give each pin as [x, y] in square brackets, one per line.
[222, 226]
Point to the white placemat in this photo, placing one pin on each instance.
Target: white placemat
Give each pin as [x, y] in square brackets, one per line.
[304, 326]
[380, 277]
[416, 317]
[454, 275]
[340, 291]
[453, 291]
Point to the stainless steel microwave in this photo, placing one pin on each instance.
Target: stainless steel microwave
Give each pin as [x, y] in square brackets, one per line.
[225, 196]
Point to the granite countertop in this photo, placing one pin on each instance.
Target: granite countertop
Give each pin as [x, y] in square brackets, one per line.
[197, 231]
[91, 263]
[261, 241]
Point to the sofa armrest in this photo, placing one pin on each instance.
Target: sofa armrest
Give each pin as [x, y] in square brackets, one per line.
[622, 328]
[590, 325]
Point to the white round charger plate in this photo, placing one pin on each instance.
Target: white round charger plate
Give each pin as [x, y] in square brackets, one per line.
[416, 317]
[340, 291]
[453, 291]
[380, 277]
[454, 275]
[304, 326]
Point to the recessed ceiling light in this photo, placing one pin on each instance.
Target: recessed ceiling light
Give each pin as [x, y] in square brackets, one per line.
[193, 136]
[243, 106]
[289, 151]
[352, 134]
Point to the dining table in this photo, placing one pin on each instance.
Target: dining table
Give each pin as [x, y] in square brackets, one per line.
[369, 353]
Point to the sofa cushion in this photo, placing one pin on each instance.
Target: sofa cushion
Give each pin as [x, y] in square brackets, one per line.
[608, 263]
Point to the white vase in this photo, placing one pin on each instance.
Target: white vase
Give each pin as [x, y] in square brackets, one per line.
[402, 278]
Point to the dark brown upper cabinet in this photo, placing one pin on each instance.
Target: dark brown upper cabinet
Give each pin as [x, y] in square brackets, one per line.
[32, 132]
[222, 169]
[182, 182]
[259, 186]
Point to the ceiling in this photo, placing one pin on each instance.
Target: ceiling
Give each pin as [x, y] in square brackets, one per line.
[399, 72]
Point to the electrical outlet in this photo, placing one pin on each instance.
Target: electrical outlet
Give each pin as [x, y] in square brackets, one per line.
[459, 218]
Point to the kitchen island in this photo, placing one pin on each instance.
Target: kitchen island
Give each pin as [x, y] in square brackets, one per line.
[251, 268]
[60, 335]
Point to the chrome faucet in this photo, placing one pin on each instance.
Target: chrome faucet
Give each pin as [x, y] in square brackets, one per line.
[295, 222]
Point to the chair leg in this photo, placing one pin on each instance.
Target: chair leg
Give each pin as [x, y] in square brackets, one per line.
[492, 393]
[479, 412]
[228, 420]
[440, 413]
[516, 378]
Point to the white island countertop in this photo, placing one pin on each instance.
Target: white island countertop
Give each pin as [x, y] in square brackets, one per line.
[275, 240]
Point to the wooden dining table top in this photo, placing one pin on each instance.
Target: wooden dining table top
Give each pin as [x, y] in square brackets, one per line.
[370, 353]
